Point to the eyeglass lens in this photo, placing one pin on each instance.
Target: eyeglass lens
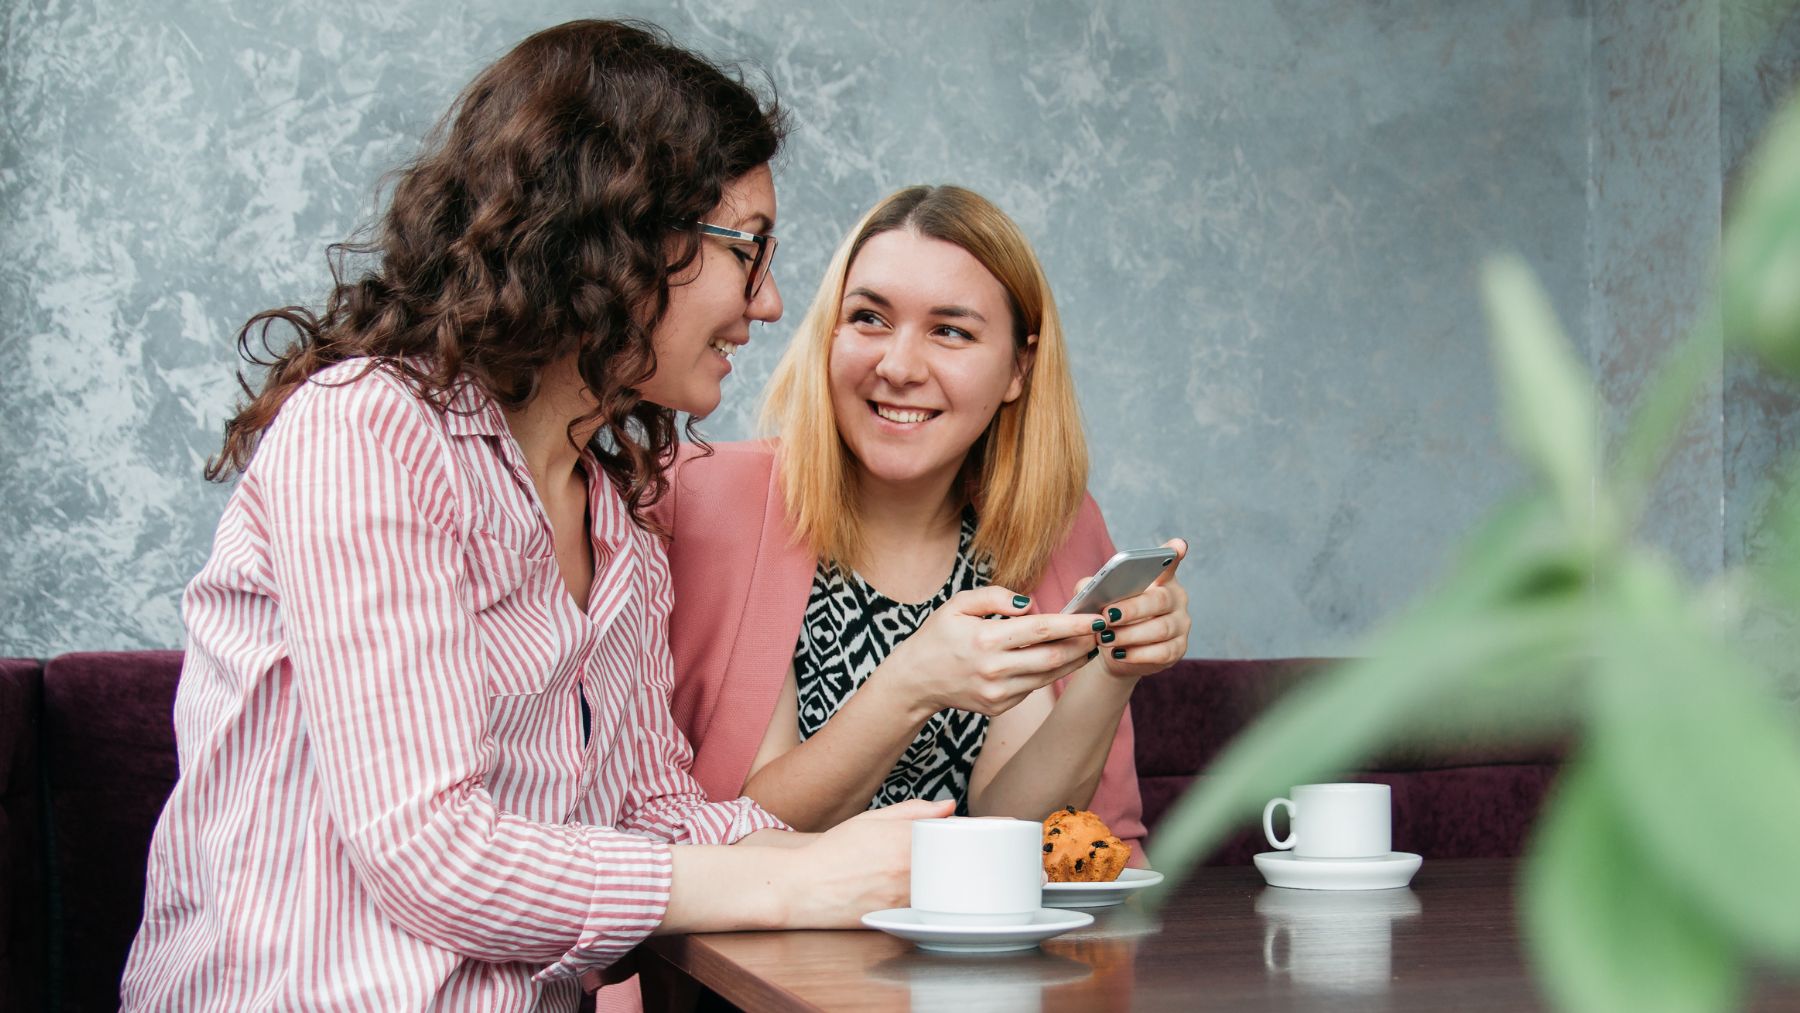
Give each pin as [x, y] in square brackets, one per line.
[759, 269]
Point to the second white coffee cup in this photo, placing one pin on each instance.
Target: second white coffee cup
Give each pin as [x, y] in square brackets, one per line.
[977, 871]
[1334, 821]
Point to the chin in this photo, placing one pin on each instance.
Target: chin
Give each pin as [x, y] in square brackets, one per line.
[702, 405]
[895, 472]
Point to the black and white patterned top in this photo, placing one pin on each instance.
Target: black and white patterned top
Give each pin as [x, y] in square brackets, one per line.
[850, 628]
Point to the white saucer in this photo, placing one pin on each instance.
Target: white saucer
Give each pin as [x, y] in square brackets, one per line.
[1390, 872]
[1337, 907]
[1078, 895]
[941, 938]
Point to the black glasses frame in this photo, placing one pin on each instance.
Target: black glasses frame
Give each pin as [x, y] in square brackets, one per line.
[759, 265]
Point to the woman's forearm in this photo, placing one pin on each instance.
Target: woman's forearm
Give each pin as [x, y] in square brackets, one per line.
[1060, 764]
[833, 775]
[714, 888]
[775, 839]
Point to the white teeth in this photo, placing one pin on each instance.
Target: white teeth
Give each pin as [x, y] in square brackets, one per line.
[901, 415]
[723, 347]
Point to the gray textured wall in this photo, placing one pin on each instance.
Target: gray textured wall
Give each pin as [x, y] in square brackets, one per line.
[1263, 219]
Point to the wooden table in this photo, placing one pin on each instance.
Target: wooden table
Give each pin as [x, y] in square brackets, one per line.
[1224, 941]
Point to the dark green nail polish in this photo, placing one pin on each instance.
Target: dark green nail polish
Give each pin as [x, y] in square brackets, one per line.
[1092, 653]
[1114, 614]
[1020, 601]
[1119, 653]
[1099, 624]
[1107, 637]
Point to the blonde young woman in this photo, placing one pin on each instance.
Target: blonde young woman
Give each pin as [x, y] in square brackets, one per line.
[835, 587]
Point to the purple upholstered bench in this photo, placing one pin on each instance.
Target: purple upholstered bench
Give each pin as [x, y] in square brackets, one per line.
[1466, 800]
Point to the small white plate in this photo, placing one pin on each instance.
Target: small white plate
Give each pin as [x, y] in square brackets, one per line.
[938, 937]
[1083, 895]
[1390, 872]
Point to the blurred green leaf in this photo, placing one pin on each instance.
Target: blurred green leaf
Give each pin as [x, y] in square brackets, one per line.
[1547, 402]
[1482, 627]
[1704, 765]
[1521, 551]
[1671, 852]
[1324, 726]
[1760, 272]
[1604, 931]
[1662, 409]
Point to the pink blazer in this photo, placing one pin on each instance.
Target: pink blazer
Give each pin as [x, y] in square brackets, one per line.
[741, 584]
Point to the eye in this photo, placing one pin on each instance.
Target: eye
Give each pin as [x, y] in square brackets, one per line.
[955, 332]
[866, 318]
[744, 256]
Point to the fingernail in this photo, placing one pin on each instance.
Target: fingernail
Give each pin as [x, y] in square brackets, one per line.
[1020, 601]
[1114, 614]
[1119, 653]
[1092, 653]
[1099, 624]
[1107, 637]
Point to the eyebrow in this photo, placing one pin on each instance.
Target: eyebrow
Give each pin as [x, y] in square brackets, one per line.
[957, 312]
[953, 312]
[871, 295]
[757, 222]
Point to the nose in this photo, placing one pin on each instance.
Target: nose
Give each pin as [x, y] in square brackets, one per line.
[765, 305]
[903, 360]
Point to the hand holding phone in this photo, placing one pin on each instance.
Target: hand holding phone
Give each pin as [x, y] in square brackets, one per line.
[1146, 610]
[1127, 573]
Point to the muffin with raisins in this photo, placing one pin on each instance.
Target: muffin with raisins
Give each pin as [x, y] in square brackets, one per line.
[1080, 848]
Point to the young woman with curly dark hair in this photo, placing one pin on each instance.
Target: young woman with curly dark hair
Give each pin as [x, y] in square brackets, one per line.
[427, 759]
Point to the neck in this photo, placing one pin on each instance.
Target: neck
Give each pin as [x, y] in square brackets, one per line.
[541, 427]
[905, 514]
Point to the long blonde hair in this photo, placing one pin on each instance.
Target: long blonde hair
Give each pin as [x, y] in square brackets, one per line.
[1026, 474]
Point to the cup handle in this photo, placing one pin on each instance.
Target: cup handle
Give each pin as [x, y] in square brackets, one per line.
[1269, 824]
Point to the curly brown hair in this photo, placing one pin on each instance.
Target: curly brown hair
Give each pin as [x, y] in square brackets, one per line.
[535, 223]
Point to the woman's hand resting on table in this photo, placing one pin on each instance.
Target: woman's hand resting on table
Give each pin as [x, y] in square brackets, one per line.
[1149, 628]
[863, 864]
[959, 658]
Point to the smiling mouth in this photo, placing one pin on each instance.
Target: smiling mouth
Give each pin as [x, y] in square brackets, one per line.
[903, 416]
[723, 347]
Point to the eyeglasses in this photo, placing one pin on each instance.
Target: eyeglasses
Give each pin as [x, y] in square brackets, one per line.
[759, 262]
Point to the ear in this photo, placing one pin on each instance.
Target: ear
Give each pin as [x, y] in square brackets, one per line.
[1022, 362]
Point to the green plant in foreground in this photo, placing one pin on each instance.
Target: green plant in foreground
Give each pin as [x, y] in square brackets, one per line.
[1667, 861]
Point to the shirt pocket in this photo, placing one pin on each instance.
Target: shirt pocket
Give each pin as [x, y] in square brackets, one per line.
[529, 645]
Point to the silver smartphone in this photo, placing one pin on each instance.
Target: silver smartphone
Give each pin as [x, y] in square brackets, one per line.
[1124, 575]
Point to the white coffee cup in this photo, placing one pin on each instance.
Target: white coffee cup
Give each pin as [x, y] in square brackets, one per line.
[977, 871]
[1334, 821]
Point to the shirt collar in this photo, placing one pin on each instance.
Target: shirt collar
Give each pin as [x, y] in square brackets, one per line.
[472, 412]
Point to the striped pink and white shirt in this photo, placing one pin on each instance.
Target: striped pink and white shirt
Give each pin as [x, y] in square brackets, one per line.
[386, 801]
